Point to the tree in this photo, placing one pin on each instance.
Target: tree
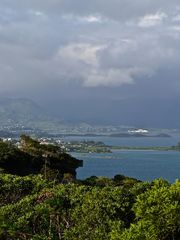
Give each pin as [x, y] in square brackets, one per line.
[157, 213]
[32, 157]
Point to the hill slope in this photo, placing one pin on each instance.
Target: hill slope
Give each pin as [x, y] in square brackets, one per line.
[25, 112]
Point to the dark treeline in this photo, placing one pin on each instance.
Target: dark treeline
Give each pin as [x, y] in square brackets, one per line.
[31, 157]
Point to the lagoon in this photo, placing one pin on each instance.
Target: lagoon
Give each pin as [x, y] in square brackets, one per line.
[143, 165]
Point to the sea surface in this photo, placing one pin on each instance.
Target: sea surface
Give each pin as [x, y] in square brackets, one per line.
[143, 165]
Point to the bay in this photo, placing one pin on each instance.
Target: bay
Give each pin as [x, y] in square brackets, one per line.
[143, 165]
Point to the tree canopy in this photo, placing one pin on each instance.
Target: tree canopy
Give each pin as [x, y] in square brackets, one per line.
[34, 208]
[32, 157]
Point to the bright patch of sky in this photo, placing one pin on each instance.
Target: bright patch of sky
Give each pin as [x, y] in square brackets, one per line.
[150, 20]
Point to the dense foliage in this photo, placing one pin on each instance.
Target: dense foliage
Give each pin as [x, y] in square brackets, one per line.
[94, 209]
[32, 157]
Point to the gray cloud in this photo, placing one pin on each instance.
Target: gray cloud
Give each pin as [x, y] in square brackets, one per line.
[122, 47]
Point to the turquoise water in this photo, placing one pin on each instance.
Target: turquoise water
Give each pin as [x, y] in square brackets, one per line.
[143, 165]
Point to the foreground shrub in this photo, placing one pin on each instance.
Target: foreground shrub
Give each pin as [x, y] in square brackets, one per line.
[32, 208]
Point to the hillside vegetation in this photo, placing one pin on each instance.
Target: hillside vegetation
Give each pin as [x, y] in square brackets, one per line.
[31, 158]
[34, 208]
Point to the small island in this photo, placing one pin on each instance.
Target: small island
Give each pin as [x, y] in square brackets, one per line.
[148, 148]
[87, 147]
[101, 147]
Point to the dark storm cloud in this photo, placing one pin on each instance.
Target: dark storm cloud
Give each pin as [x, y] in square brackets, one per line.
[116, 9]
[122, 47]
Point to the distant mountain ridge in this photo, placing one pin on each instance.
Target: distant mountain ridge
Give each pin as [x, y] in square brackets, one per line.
[15, 109]
[25, 112]
[20, 115]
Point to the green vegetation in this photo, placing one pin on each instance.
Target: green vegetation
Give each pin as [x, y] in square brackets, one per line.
[86, 147]
[177, 147]
[100, 147]
[142, 148]
[169, 148]
[94, 209]
[43, 207]
[32, 158]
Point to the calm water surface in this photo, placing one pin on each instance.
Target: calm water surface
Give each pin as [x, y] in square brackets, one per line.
[143, 165]
[133, 141]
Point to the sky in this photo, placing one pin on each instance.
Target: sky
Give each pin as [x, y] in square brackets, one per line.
[99, 61]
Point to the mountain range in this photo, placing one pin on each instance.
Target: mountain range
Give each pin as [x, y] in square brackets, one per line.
[25, 113]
